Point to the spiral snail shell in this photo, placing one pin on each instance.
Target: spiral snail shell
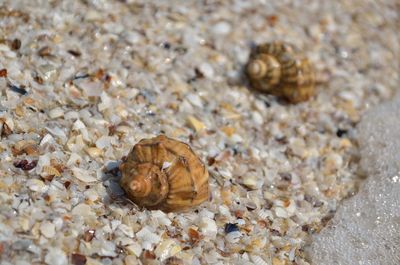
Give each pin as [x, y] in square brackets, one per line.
[276, 68]
[163, 173]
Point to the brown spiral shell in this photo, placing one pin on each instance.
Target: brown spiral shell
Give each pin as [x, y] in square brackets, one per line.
[163, 173]
[276, 68]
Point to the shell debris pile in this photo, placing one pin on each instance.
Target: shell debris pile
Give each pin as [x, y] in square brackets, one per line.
[82, 82]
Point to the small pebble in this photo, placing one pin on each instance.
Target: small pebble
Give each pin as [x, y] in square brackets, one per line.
[281, 212]
[133, 37]
[222, 28]
[195, 100]
[298, 147]
[257, 118]
[208, 227]
[56, 256]
[135, 249]
[252, 182]
[127, 230]
[108, 249]
[166, 249]
[89, 234]
[56, 113]
[47, 229]
[36, 185]
[207, 70]
[78, 259]
[131, 260]
[147, 238]
[82, 210]
[94, 152]
[332, 163]
[48, 72]
[195, 124]
[233, 237]
[83, 175]
[173, 261]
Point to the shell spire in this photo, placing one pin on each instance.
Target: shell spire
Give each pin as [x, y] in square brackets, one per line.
[140, 184]
[140, 187]
[257, 68]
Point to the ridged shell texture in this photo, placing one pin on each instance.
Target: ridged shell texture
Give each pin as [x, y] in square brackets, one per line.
[276, 68]
[163, 173]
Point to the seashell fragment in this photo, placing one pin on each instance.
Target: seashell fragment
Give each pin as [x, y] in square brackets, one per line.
[134, 249]
[147, 237]
[83, 175]
[276, 68]
[36, 185]
[51, 171]
[195, 124]
[257, 260]
[25, 147]
[163, 173]
[173, 261]
[47, 229]
[166, 249]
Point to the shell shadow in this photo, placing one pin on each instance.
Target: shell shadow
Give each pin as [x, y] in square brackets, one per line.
[110, 178]
[115, 193]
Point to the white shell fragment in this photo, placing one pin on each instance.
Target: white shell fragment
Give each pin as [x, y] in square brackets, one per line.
[82, 210]
[83, 175]
[134, 248]
[47, 229]
[208, 227]
[147, 238]
[56, 113]
[222, 28]
[166, 249]
[127, 230]
[36, 185]
[108, 249]
[233, 237]
[252, 182]
[56, 256]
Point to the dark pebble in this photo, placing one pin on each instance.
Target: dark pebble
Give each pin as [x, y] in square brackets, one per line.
[286, 176]
[16, 44]
[341, 132]
[19, 90]
[231, 228]
[166, 45]
[25, 165]
[78, 259]
[3, 72]
[74, 53]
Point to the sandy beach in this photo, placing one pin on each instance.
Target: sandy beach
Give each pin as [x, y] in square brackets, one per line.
[81, 82]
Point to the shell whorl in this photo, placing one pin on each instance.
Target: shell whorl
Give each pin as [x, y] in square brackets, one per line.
[145, 182]
[265, 68]
[141, 188]
[256, 68]
[141, 183]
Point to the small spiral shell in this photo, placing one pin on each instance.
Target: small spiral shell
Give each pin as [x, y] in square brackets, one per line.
[163, 173]
[277, 69]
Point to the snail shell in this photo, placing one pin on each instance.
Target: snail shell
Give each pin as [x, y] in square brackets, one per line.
[163, 173]
[277, 69]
